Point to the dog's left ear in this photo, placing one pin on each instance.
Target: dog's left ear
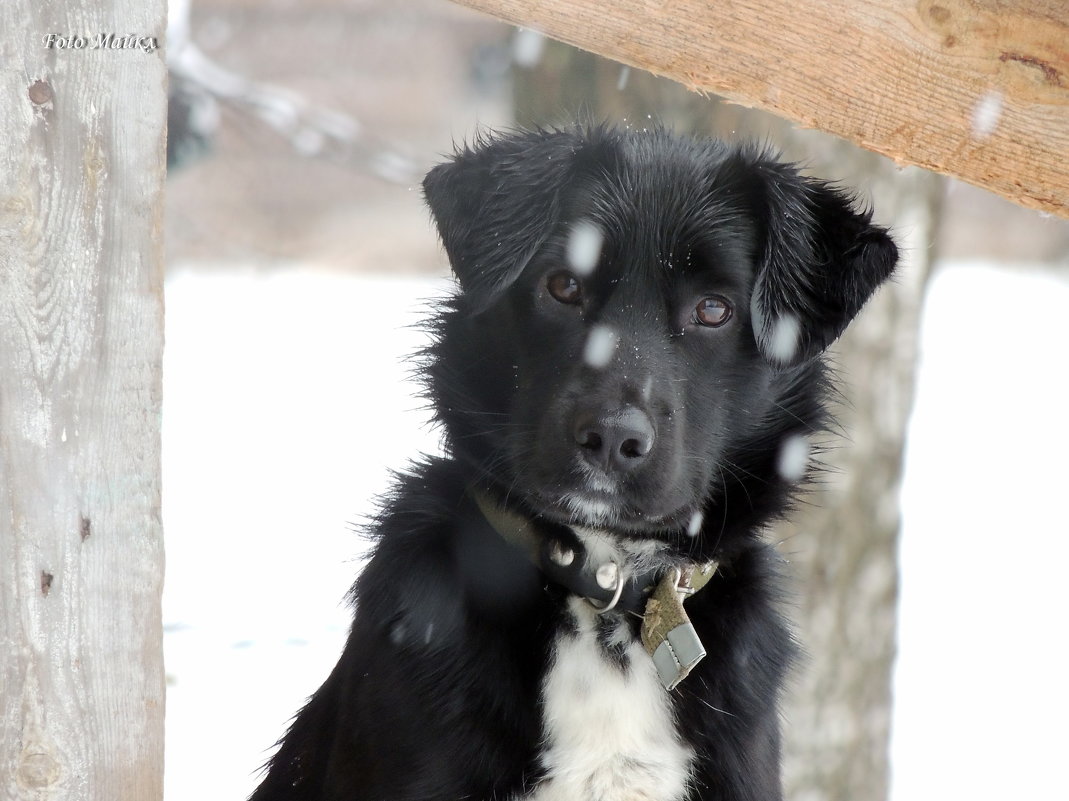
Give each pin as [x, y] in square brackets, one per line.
[496, 202]
[820, 262]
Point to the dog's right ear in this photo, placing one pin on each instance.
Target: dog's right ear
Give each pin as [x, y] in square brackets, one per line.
[496, 202]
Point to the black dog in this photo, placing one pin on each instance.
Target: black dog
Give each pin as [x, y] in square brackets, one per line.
[627, 379]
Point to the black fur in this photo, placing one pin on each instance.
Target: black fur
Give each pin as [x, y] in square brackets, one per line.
[436, 695]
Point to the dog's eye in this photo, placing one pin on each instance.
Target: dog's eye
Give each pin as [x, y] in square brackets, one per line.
[564, 287]
[712, 312]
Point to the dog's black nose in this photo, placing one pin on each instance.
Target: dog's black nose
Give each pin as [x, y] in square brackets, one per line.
[616, 441]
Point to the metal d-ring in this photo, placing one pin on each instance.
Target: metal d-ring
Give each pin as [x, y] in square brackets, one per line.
[617, 592]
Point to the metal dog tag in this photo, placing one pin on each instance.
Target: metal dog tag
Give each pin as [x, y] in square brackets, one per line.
[667, 633]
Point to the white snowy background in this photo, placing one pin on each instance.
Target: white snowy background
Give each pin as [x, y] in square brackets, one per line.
[286, 404]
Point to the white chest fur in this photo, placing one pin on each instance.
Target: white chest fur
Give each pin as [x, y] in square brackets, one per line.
[610, 731]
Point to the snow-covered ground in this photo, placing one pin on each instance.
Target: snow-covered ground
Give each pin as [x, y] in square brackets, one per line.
[982, 684]
[286, 403]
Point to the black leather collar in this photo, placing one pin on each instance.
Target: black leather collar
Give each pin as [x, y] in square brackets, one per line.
[560, 554]
[654, 594]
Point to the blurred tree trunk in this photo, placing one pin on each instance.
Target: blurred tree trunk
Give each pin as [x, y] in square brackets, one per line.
[842, 544]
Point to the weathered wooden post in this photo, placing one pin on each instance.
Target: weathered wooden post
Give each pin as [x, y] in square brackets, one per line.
[82, 127]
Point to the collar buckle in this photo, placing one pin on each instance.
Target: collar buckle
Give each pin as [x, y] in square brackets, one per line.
[609, 576]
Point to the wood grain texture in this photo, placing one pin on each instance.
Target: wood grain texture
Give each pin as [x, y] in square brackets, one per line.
[977, 89]
[81, 339]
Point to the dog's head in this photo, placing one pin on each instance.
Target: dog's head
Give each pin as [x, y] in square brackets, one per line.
[640, 320]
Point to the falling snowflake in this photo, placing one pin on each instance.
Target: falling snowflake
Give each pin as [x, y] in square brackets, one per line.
[986, 114]
[793, 457]
[600, 346]
[783, 343]
[584, 247]
[527, 48]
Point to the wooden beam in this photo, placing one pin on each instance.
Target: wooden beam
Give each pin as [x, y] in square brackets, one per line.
[81, 339]
[976, 89]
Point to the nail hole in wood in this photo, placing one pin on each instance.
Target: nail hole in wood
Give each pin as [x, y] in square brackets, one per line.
[40, 93]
